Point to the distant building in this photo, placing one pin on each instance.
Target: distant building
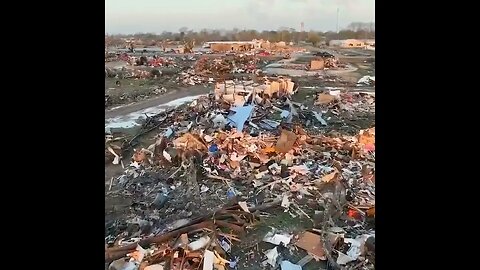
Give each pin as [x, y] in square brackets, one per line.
[224, 46]
[347, 43]
[369, 42]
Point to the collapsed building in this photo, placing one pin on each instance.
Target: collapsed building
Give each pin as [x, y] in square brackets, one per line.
[238, 93]
[321, 63]
[242, 46]
[369, 42]
[224, 46]
[273, 45]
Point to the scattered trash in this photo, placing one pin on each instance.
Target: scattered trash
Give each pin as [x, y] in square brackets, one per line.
[268, 124]
[208, 260]
[204, 189]
[168, 133]
[336, 230]
[213, 149]
[272, 256]
[198, 176]
[344, 259]
[305, 260]
[286, 265]
[354, 250]
[244, 206]
[311, 243]
[285, 142]
[300, 169]
[335, 93]
[324, 99]
[285, 202]
[276, 239]
[199, 244]
[121, 264]
[219, 121]
[154, 267]
[159, 201]
[190, 142]
[225, 245]
[318, 116]
[366, 80]
[138, 254]
[231, 193]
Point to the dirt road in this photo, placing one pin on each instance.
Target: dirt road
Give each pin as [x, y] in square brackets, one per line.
[167, 97]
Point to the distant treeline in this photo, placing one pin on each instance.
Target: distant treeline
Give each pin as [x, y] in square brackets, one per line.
[354, 30]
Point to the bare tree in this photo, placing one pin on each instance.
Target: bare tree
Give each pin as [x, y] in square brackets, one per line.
[359, 30]
[313, 37]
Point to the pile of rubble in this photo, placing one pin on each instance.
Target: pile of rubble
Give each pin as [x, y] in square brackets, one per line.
[238, 93]
[130, 73]
[213, 66]
[245, 150]
[209, 70]
[160, 62]
[241, 63]
[366, 80]
[331, 62]
[325, 63]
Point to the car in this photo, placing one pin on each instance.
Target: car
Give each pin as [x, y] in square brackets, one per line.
[324, 54]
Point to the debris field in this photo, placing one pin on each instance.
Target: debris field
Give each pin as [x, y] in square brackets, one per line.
[263, 172]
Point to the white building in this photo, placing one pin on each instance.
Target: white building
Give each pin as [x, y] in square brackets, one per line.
[347, 43]
[369, 42]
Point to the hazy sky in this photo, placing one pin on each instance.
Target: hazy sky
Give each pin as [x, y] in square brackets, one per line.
[132, 16]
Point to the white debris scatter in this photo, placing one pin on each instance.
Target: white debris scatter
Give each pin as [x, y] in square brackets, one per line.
[367, 80]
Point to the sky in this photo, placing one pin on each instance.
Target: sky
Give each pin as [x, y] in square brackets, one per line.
[156, 16]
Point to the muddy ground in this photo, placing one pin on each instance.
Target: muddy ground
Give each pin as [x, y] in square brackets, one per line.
[171, 94]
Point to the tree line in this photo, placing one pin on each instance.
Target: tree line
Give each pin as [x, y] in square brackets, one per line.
[356, 30]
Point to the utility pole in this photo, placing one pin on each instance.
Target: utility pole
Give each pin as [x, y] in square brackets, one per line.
[337, 18]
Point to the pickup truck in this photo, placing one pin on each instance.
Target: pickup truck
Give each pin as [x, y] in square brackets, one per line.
[324, 54]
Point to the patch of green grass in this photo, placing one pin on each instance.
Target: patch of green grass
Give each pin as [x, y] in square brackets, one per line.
[301, 95]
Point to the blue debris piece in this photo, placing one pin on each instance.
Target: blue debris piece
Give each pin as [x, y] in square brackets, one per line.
[240, 116]
[292, 108]
[213, 148]
[319, 118]
[285, 114]
[231, 193]
[169, 133]
[233, 263]
[286, 265]
[159, 201]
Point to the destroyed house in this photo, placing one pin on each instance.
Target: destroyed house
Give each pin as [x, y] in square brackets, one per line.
[238, 93]
[370, 42]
